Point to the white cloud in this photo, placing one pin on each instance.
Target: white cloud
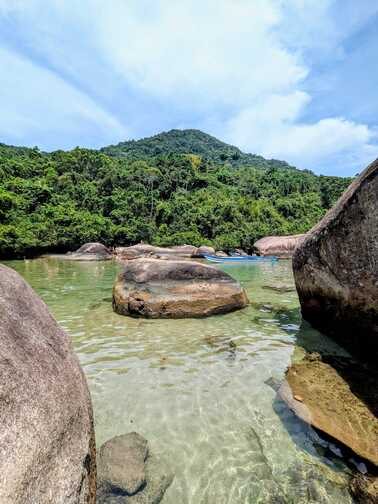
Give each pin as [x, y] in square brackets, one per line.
[37, 103]
[273, 128]
[234, 68]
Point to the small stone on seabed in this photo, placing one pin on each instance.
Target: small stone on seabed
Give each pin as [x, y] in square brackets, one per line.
[298, 398]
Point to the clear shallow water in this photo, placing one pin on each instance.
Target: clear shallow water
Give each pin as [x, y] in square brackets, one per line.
[201, 391]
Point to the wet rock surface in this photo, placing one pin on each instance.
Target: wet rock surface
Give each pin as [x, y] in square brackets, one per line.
[338, 398]
[365, 489]
[280, 246]
[47, 439]
[175, 289]
[336, 269]
[129, 474]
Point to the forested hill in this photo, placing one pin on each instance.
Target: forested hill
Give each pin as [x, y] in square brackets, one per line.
[58, 201]
[190, 141]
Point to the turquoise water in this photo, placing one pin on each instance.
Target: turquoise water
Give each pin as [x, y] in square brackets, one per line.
[203, 392]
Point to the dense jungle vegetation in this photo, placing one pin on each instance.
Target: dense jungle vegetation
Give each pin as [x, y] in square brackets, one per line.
[161, 191]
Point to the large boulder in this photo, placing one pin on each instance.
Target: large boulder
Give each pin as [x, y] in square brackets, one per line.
[175, 289]
[91, 252]
[47, 439]
[336, 268]
[128, 473]
[280, 246]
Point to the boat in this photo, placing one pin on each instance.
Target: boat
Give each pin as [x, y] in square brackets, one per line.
[239, 259]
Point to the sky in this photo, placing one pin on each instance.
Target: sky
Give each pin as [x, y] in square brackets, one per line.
[288, 79]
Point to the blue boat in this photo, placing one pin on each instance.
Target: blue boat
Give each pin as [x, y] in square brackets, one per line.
[239, 259]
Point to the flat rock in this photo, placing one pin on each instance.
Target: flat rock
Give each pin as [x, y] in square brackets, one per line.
[175, 289]
[336, 269]
[47, 439]
[280, 246]
[340, 400]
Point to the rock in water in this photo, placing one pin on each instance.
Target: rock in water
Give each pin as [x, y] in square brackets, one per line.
[365, 489]
[121, 463]
[175, 289]
[280, 246]
[91, 252]
[47, 452]
[336, 268]
[129, 474]
[337, 399]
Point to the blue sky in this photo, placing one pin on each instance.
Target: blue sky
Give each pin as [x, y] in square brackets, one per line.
[289, 79]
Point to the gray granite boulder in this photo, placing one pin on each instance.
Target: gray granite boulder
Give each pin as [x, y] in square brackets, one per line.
[47, 452]
[175, 289]
[129, 474]
[336, 268]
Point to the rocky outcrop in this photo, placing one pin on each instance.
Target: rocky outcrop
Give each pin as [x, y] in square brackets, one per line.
[175, 289]
[179, 251]
[280, 246]
[91, 252]
[339, 398]
[336, 268]
[128, 473]
[47, 440]
[145, 250]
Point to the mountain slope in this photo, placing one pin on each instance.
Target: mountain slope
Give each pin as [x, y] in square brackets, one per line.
[189, 141]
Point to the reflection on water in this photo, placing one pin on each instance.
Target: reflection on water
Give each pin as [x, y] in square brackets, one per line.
[201, 391]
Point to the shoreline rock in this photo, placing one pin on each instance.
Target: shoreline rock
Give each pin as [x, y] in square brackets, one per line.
[175, 289]
[90, 252]
[336, 269]
[281, 246]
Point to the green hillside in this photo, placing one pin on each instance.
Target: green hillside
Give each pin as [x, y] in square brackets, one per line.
[189, 141]
[58, 201]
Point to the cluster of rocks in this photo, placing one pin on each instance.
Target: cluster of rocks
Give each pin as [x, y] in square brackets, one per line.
[179, 252]
[48, 451]
[336, 275]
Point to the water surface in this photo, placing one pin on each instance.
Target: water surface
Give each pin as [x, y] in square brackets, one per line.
[203, 392]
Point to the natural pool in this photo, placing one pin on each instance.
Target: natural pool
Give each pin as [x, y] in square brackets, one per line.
[202, 391]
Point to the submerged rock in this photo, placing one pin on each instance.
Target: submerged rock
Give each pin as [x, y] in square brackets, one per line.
[175, 289]
[47, 439]
[280, 246]
[91, 252]
[365, 489]
[336, 268]
[129, 474]
[340, 400]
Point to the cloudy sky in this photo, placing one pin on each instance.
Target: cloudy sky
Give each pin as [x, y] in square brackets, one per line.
[290, 79]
